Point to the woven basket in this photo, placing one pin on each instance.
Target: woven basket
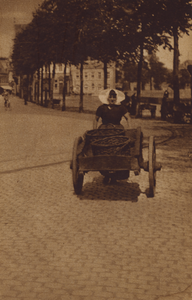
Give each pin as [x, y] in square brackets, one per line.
[115, 145]
[96, 134]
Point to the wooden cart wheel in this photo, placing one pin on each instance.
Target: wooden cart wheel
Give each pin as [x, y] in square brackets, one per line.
[152, 171]
[76, 175]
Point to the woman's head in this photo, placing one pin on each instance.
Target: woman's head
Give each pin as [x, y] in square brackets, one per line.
[112, 98]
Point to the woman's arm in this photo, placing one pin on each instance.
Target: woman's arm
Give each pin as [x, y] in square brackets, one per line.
[128, 119]
[95, 122]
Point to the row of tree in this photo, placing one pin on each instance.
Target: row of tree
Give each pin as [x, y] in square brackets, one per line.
[153, 72]
[70, 31]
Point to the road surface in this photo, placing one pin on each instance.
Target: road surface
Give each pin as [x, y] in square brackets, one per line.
[110, 242]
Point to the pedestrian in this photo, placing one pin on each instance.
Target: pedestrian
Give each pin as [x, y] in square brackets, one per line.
[166, 94]
[134, 104]
[127, 102]
[7, 100]
[111, 111]
[25, 95]
[165, 108]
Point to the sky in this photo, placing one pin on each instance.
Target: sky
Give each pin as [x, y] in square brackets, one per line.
[20, 11]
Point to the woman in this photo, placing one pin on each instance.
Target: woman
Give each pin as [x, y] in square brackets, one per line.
[111, 111]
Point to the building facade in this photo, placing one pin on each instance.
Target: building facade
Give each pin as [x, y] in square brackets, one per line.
[59, 80]
[93, 77]
[4, 70]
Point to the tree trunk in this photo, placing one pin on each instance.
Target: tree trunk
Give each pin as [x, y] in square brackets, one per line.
[139, 73]
[151, 83]
[70, 82]
[42, 86]
[176, 65]
[38, 86]
[52, 86]
[21, 86]
[105, 74]
[81, 88]
[27, 86]
[64, 87]
[30, 88]
[46, 80]
[49, 81]
[191, 98]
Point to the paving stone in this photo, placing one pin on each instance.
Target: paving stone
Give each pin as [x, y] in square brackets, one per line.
[110, 242]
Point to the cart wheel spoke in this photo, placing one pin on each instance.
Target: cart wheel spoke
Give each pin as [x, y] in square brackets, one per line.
[76, 175]
[152, 169]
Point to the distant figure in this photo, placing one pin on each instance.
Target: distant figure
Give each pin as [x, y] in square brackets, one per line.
[134, 104]
[7, 101]
[164, 106]
[127, 102]
[25, 95]
[166, 94]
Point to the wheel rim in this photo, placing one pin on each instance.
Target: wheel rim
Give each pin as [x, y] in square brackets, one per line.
[76, 175]
[152, 162]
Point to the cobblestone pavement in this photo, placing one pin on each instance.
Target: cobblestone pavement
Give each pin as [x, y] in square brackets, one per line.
[110, 242]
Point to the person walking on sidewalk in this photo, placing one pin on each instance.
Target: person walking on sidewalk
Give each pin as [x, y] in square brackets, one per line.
[7, 100]
[25, 94]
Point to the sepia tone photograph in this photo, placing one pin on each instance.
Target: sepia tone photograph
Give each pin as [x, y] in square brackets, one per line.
[95, 149]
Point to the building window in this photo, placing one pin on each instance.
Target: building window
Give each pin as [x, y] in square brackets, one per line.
[55, 85]
[93, 86]
[99, 86]
[92, 74]
[86, 75]
[99, 75]
[108, 74]
[77, 74]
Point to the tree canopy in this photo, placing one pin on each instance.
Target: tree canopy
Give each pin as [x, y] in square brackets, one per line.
[70, 31]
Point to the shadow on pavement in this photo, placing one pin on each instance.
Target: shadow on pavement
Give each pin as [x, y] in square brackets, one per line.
[120, 191]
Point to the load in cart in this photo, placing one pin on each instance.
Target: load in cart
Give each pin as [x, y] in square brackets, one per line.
[111, 149]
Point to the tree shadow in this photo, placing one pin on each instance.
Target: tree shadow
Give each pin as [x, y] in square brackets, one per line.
[120, 191]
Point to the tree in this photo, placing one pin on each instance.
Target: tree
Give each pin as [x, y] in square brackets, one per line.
[138, 21]
[130, 71]
[176, 20]
[71, 35]
[184, 78]
[156, 70]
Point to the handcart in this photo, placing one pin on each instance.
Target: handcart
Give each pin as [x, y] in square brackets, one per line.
[113, 152]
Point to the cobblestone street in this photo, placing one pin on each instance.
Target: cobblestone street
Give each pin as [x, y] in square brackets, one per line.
[109, 243]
